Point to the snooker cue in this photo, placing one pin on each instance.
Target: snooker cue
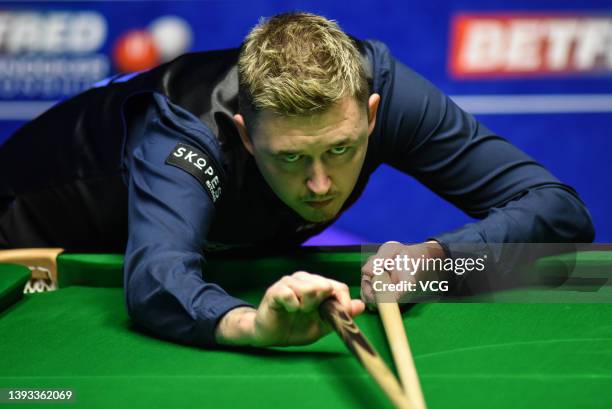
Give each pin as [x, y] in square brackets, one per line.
[332, 312]
[400, 348]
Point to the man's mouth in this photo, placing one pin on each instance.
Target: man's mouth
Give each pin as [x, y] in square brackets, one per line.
[318, 204]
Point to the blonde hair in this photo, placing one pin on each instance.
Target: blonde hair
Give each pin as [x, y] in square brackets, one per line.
[299, 64]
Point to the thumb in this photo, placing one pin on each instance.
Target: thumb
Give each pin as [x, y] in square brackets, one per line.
[357, 307]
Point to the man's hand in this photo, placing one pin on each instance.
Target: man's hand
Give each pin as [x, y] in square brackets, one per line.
[288, 313]
[390, 251]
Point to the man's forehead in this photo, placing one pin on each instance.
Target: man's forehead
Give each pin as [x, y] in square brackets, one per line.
[299, 138]
[340, 124]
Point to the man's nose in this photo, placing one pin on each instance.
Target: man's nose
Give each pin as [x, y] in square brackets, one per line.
[318, 181]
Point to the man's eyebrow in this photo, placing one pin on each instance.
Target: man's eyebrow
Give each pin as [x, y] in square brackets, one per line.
[345, 141]
[341, 142]
[286, 152]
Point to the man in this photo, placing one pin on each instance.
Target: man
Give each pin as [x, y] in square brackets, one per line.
[265, 145]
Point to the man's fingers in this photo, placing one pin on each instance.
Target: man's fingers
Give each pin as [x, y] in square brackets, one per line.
[357, 307]
[342, 293]
[282, 296]
[387, 251]
[400, 275]
[304, 292]
[367, 292]
[368, 268]
[311, 289]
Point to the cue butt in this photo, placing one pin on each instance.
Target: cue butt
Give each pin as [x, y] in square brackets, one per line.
[400, 348]
[332, 312]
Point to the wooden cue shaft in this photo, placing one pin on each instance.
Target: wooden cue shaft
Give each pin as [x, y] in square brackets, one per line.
[402, 356]
[400, 348]
[332, 312]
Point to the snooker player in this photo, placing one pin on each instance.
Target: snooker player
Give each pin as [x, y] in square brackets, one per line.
[265, 145]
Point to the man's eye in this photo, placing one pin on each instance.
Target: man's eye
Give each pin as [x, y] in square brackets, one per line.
[338, 150]
[291, 158]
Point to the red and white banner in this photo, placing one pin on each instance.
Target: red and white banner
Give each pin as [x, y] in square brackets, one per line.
[508, 44]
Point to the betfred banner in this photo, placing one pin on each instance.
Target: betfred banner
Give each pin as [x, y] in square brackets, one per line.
[50, 54]
[538, 44]
[53, 54]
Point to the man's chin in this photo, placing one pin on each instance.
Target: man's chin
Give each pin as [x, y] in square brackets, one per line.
[317, 216]
[321, 219]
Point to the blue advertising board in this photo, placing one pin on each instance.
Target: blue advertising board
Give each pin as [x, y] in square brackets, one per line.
[536, 73]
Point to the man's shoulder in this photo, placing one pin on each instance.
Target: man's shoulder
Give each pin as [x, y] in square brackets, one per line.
[175, 122]
[173, 138]
[375, 50]
[379, 62]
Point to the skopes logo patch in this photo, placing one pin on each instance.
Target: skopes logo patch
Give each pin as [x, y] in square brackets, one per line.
[501, 44]
[50, 54]
[199, 165]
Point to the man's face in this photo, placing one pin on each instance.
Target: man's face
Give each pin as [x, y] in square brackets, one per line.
[312, 163]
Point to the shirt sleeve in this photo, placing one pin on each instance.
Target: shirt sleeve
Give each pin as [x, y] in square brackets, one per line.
[426, 135]
[169, 215]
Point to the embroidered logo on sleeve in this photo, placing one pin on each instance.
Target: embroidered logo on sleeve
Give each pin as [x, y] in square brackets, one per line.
[199, 165]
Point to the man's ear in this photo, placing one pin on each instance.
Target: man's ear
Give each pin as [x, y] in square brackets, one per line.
[373, 102]
[244, 134]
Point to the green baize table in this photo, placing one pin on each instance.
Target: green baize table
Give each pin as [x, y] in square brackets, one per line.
[469, 355]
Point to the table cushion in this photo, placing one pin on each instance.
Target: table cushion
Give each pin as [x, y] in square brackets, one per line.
[13, 278]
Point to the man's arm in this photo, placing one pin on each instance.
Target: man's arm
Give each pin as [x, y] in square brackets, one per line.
[169, 214]
[424, 134]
